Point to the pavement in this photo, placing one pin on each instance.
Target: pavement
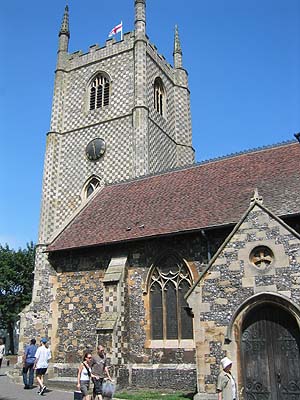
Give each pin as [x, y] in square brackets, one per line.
[14, 391]
[10, 390]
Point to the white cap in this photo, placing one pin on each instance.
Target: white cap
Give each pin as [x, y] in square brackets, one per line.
[225, 362]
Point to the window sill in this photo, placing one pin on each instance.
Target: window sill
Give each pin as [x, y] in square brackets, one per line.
[170, 344]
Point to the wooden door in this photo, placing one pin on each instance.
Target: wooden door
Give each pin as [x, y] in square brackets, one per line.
[270, 354]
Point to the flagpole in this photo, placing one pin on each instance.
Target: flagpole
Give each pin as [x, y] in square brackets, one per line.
[121, 30]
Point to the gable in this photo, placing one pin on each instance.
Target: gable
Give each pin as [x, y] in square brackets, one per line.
[262, 254]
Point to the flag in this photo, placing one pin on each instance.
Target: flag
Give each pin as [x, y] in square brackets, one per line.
[116, 29]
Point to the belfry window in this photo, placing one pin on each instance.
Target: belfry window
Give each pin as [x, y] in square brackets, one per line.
[99, 92]
[92, 185]
[159, 97]
[170, 280]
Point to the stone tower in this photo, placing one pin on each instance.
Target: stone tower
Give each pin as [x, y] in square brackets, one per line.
[142, 117]
[119, 112]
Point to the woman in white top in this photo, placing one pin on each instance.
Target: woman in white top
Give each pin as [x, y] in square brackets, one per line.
[2, 351]
[84, 375]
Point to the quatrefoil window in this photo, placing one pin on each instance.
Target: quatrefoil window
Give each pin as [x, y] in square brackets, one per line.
[261, 257]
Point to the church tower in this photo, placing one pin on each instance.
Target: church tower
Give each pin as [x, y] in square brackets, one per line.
[119, 112]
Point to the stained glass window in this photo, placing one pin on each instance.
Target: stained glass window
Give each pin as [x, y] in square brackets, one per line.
[170, 281]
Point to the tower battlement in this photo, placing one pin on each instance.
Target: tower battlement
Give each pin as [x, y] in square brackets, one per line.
[159, 58]
[112, 48]
[96, 53]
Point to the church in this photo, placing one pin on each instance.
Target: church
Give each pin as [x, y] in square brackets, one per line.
[169, 264]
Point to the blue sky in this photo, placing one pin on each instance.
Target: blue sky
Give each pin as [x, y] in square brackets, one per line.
[242, 56]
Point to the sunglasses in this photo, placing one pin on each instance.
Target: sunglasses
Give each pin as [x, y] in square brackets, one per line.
[89, 357]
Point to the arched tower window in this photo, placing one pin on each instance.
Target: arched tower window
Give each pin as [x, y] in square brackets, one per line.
[99, 92]
[169, 282]
[91, 186]
[159, 97]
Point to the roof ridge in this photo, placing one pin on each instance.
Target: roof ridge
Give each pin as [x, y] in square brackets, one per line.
[248, 151]
[203, 162]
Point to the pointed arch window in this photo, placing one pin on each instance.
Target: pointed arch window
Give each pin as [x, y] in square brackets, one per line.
[99, 92]
[169, 282]
[159, 97]
[91, 186]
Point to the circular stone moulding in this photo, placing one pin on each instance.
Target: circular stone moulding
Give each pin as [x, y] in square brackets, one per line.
[261, 257]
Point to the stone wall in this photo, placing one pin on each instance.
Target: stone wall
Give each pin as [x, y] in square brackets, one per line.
[233, 282]
[80, 294]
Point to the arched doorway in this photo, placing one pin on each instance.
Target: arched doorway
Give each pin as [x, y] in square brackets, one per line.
[270, 354]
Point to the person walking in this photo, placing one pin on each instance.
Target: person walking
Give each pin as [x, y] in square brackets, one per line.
[42, 357]
[28, 364]
[2, 351]
[226, 386]
[99, 369]
[83, 376]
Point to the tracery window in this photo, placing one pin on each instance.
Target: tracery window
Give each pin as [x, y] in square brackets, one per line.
[170, 280]
[92, 185]
[159, 97]
[99, 92]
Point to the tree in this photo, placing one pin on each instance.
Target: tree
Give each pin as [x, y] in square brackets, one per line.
[16, 282]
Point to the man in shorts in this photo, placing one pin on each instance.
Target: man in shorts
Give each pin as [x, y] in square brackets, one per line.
[99, 369]
[42, 357]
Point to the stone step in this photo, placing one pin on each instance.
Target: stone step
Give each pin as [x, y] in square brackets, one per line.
[61, 382]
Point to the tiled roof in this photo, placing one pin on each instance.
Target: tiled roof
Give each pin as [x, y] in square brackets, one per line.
[210, 194]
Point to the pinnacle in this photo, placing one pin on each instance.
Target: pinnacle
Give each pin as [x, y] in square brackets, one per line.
[64, 29]
[177, 45]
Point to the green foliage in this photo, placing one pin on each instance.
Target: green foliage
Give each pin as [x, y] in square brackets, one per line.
[16, 281]
[152, 395]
